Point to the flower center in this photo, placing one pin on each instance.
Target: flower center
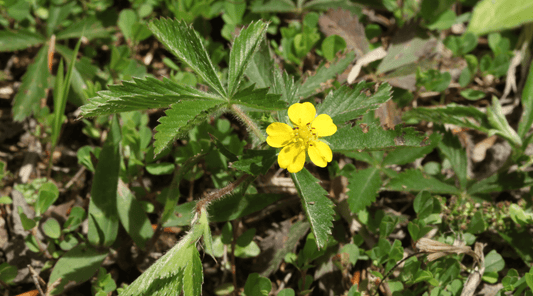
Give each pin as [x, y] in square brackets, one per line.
[305, 134]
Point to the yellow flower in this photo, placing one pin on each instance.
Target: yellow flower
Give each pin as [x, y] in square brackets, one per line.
[304, 136]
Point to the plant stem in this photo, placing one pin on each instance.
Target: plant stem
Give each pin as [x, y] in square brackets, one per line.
[250, 124]
[219, 194]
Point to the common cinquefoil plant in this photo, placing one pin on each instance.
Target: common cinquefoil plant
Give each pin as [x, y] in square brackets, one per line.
[253, 84]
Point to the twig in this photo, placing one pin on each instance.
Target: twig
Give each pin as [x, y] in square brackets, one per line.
[392, 269]
[37, 280]
[76, 177]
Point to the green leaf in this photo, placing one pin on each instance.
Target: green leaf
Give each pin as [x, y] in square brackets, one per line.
[331, 45]
[203, 224]
[415, 180]
[244, 47]
[141, 94]
[89, 28]
[477, 225]
[529, 279]
[51, 228]
[103, 216]
[502, 182]
[284, 85]
[173, 191]
[494, 262]
[527, 103]
[346, 104]
[472, 94]
[453, 150]
[260, 70]
[180, 118]
[468, 117]
[279, 6]
[433, 80]
[363, 188]
[163, 168]
[255, 162]
[126, 20]
[423, 204]
[33, 86]
[11, 41]
[78, 265]
[430, 10]
[27, 223]
[172, 273]
[286, 292]
[499, 122]
[57, 14]
[312, 85]
[497, 15]
[5, 200]
[348, 139]
[183, 41]
[258, 99]
[443, 21]
[317, 207]
[520, 241]
[75, 218]
[61, 91]
[403, 156]
[8, 273]
[236, 206]
[132, 216]
[48, 194]
[257, 285]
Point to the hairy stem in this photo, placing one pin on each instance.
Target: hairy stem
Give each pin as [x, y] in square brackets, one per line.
[219, 194]
[250, 124]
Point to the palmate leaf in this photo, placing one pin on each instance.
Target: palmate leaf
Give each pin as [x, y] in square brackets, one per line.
[183, 41]
[346, 104]
[141, 94]
[323, 74]
[243, 49]
[10, 41]
[317, 207]
[260, 70]
[259, 99]
[33, 86]
[181, 117]
[453, 150]
[373, 137]
[364, 186]
[415, 180]
[178, 270]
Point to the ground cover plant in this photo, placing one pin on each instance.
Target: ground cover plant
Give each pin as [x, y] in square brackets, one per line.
[269, 147]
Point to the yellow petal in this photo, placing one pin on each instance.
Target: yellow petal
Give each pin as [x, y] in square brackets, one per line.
[292, 157]
[323, 126]
[302, 113]
[320, 153]
[279, 134]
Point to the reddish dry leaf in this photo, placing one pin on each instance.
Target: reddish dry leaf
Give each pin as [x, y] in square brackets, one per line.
[343, 23]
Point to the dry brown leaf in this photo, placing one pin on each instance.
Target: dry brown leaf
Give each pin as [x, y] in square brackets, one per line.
[480, 150]
[389, 115]
[343, 23]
